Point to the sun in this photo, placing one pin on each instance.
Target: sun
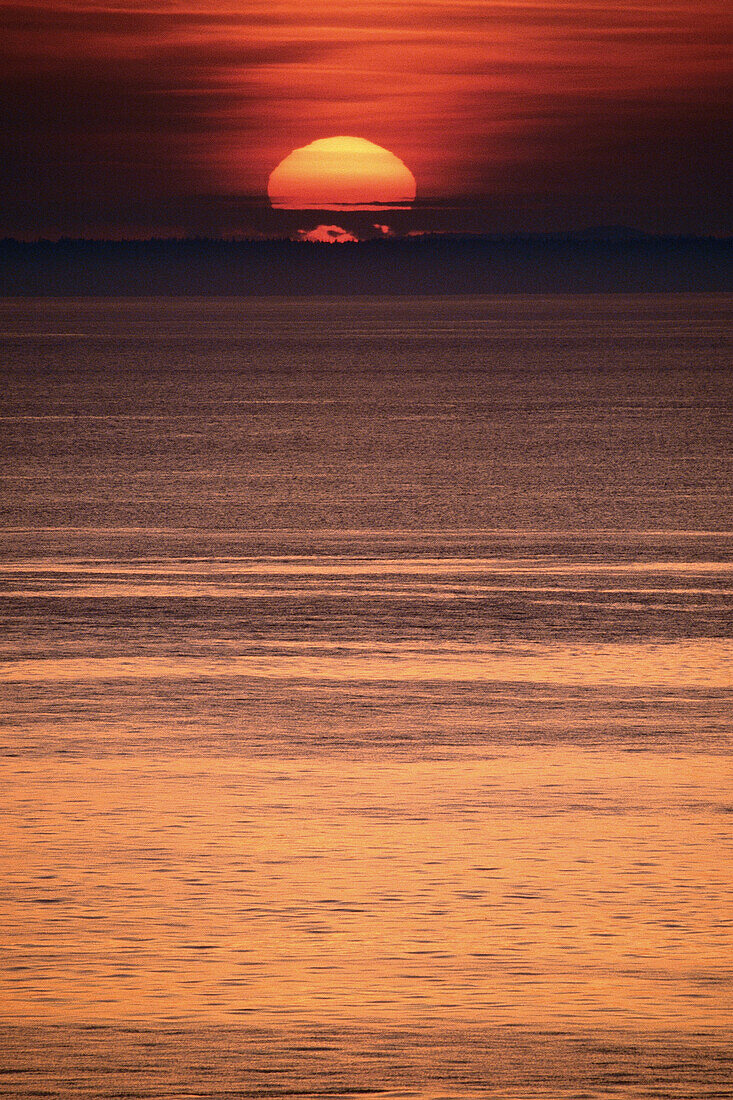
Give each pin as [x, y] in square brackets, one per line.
[341, 173]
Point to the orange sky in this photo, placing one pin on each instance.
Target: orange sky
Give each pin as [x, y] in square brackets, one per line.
[543, 115]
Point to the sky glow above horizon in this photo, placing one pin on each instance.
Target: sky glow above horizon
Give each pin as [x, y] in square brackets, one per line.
[160, 117]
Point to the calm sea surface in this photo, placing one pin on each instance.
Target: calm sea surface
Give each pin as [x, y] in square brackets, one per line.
[366, 698]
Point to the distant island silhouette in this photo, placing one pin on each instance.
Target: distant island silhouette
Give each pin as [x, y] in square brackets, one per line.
[612, 259]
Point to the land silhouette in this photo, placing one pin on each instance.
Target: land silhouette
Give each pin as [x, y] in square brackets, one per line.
[597, 260]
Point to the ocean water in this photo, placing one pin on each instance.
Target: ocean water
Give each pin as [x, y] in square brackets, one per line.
[366, 679]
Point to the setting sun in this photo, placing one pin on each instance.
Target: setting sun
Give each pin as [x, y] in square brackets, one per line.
[340, 173]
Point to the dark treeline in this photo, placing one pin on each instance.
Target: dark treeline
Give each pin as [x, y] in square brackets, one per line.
[419, 265]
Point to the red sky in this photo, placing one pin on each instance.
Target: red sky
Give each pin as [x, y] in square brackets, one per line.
[167, 117]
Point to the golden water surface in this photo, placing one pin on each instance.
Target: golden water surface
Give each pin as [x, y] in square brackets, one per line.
[366, 693]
